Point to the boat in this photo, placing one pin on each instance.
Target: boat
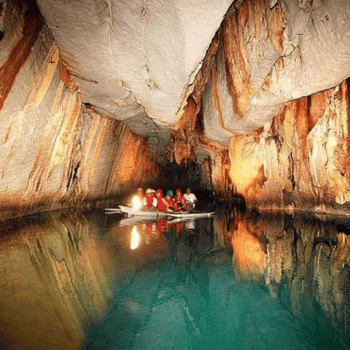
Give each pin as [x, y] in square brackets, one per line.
[158, 214]
[133, 212]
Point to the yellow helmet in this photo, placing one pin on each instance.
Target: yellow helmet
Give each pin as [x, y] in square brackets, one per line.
[149, 191]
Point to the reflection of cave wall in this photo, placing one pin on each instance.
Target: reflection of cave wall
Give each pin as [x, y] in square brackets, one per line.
[303, 261]
[53, 281]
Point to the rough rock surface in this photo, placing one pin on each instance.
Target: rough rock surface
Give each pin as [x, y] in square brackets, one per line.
[264, 115]
[263, 60]
[133, 58]
[300, 161]
[55, 151]
[264, 56]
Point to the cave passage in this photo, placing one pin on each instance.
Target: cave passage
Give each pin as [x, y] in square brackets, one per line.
[246, 281]
[187, 175]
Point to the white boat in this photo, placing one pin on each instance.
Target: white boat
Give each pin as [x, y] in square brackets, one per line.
[157, 214]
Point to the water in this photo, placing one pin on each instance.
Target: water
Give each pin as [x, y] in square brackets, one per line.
[92, 281]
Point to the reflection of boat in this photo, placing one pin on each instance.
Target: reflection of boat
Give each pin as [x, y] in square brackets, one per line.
[131, 220]
[183, 219]
[158, 214]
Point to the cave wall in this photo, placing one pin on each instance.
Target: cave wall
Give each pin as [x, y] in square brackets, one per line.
[300, 160]
[58, 151]
[258, 95]
[55, 150]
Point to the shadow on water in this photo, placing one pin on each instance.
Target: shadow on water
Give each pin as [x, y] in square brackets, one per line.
[237, 280]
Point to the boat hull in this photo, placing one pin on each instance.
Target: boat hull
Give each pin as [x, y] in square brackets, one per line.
[157, 214]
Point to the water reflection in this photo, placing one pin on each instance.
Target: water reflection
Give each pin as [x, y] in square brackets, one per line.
[232, 281]
[135, 238]
[53, 281]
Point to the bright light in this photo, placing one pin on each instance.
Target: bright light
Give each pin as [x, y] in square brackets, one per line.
[135, 238]
[136, 203]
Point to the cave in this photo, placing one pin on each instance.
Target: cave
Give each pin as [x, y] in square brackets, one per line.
[246, 102]
[100, 97]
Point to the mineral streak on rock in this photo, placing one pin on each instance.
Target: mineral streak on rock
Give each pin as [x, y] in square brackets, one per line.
[55, 152]
[300, 160]
[30, 29]
[249, 41]
[259, 78]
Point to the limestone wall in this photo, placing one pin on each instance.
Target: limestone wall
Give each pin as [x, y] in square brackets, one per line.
[299, 161]
[54, 150]
[260, 78]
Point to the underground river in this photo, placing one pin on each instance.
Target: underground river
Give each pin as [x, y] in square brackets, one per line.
[234, 281]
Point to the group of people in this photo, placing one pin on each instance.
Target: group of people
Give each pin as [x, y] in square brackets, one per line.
[155, 200]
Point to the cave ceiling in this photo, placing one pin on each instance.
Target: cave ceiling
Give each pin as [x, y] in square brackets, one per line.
[132, 59]
[140, 61]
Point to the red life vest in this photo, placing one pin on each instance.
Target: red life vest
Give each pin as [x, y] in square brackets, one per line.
[149, 201]
[161, 206]
[180, 199]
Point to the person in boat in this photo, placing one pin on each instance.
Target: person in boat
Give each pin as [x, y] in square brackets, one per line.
[150, 201]
[137, 200]
[162, 204]
[179, 200]
[170, 200]
[190, 199]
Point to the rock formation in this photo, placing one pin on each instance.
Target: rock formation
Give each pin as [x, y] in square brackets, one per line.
[98, 96]
[272, 89]
[57, 151]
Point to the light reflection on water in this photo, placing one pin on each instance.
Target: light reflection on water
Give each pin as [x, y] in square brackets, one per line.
[232, 281]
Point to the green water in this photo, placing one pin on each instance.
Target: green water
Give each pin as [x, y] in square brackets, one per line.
[234, 281]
